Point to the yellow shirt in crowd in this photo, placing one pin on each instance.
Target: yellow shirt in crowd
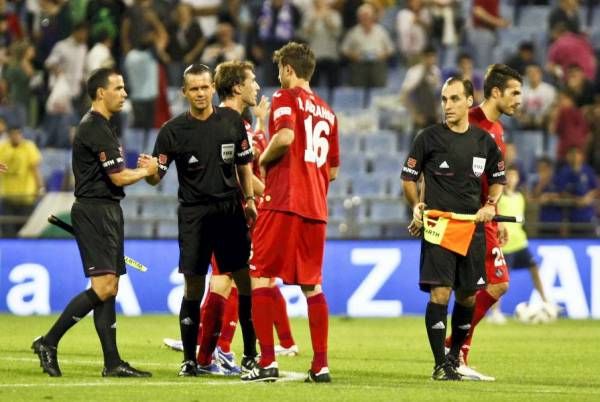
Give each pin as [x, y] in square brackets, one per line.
[20, 179]
[513, 205]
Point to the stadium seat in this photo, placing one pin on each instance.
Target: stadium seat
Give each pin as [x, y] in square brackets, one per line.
[370, 231]
[535, 16]
[348, 98]
[54, 159]
[137, 229]
[141, 188]
[167, 229]
[170, 183]
[352, 164]
[336, 209]
[530, 146]
[380, 143]
[349, 143]
[130, 207]
[388, 164]
[369, 185]
[396, 186]
[338, 187]
[388, 211]
[159, 208]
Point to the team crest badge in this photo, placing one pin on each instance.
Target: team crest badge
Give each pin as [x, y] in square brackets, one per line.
[162, 159]
[411, 163]
[102, 156]
[227, 152]
[478, 165]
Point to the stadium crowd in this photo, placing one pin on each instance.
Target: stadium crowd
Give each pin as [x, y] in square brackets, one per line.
[367, 52]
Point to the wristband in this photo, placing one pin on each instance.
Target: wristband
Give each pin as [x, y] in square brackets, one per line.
[491, 201]
[249, 197]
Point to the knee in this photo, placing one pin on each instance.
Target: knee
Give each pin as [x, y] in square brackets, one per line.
[106, 289]
[440, 295]
[311, 290]
[498, 290]
[221, 285]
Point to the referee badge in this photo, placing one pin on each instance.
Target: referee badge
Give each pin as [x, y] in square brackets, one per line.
[227, 152]
[478, 165]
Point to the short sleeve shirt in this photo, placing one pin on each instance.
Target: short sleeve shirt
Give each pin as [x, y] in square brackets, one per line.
[454, 164]
[205, 154]
[96, 154]
[298, 182]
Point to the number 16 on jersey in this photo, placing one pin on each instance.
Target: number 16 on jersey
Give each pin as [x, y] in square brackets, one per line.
[317, 145]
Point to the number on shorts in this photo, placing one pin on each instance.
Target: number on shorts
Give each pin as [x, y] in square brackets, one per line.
[317, 146]
[498, 257]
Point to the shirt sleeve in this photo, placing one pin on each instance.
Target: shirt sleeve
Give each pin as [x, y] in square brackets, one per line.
[414, 162]
[333, 157]
[282, 111]
[108, 151]
[164, 150]
[243, 147]
[494, 165]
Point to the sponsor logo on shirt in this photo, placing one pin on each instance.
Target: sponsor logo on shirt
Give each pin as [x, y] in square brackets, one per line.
[409, 170]
[282, 111]
[498, 174]
[192, 159]
[102, 156]
[478, 165]
[244, 145]
[227, 152]
[501, 165]
[444, 165]
[411, 163]
[162, 159]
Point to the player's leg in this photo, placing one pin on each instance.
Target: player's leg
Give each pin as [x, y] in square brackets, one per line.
[189, 321]
[287, 346]
[318, 321]
[244, 288]
[230, 320]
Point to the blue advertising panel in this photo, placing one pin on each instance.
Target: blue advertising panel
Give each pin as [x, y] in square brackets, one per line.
[361, 278]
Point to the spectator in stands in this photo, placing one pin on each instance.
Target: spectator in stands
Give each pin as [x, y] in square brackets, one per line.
[413, 25]
[511, 158]
[466, 70]
[538, 100]
[348, 11]
[482, 37]
[139, 21]
[207, 14]
[576, 182]
[19, 74]
[278, 23]
[66, 64]
[420, 90]
[5, 35]
[22, 183]
[100, 54]
[581, 88]
[186, 42]
[447, 25]
[566, 12]
[224, 48]
[51, 23]
[568, 123]
[322, 28]
[12, 20]
[570, 48]
[524, 57]
[593, 118]
[368, 47]
[107, 16]
[545, 193]
[141, 68]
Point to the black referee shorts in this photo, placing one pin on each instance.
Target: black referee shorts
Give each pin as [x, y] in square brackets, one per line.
[442, 267]
[99, 233]
[218, 228]
[520, 259]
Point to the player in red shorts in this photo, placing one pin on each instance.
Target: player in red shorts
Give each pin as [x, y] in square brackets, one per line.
[300, 160]
[502, 92]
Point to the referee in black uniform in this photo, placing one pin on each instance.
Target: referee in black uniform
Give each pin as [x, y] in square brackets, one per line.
[211, 150]
[453, 157]
[100, 175]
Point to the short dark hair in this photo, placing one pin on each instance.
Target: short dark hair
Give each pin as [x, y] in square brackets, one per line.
[229, 74]
[467, 84]
[299, 56]
[462, 56]
[497, 76]
[99, 79]
[196, 69]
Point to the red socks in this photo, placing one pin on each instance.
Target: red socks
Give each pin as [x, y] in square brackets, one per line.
[483, 302]
[282, 321]
[263, 317]
[318, 321]
[230, 320]
[211, 326]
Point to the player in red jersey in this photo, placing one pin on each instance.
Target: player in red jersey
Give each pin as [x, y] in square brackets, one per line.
[502, 93]
[300, 160]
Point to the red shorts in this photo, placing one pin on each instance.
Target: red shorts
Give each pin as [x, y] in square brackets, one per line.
[495, 266]
[288, 246]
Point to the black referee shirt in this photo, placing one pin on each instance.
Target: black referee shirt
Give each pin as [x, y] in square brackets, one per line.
[96, 154]
[453, 165]
[205, 153]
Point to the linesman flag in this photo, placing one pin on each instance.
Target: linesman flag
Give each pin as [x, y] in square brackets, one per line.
[449, 230]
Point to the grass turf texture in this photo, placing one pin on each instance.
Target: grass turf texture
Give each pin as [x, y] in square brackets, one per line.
[370, 360]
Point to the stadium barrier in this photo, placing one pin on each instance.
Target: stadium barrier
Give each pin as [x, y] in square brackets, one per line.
[361, 278]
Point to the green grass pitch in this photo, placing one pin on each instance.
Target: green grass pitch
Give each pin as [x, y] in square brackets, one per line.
[370, 360]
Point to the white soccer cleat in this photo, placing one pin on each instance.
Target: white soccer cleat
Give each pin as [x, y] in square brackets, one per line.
[469, 374]
[174, 344]
[291, 351]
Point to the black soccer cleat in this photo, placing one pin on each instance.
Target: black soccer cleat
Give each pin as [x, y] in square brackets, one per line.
[264, 374]
[247, 364]
[47, 355]
[124, 370]
[446, 372]
[189, 368]
[321, 376]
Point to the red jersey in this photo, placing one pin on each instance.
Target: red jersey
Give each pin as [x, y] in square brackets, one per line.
[298, 182]
[259, 142]
[477, 117]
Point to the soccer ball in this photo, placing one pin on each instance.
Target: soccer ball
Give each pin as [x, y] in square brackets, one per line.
[536, 313]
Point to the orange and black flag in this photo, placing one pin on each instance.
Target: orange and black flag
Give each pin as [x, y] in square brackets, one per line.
[449, 230]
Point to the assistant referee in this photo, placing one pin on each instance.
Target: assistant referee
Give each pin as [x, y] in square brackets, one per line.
[210, 148]
[453, 157]
[100, 175]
